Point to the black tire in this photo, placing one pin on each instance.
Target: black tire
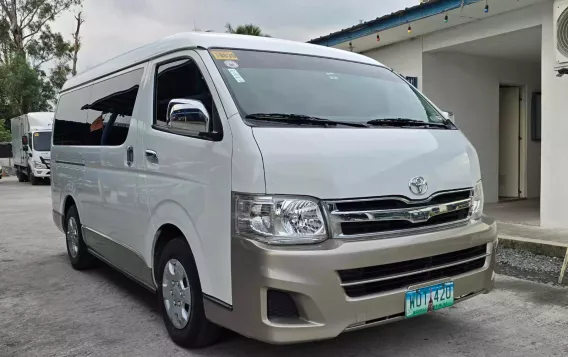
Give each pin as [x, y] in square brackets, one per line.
[199, 332]
[83, 259]
[20, 175]
[33, 180]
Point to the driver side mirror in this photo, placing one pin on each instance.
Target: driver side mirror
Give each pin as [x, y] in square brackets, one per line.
[25, 143]
[449, 116]
[187, 115]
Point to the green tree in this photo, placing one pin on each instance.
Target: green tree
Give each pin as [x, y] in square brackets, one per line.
[28, 46]
[248, 29]
[22, 88]
[5, 135]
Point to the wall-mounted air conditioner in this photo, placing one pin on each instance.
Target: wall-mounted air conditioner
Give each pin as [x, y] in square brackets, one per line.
[561, 33]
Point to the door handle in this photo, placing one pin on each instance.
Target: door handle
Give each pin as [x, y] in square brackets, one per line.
[129, 155]
[152, 156]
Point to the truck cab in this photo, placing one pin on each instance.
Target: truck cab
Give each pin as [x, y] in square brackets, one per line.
[31, 142]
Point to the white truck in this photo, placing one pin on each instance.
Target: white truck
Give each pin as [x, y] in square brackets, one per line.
[31, 146]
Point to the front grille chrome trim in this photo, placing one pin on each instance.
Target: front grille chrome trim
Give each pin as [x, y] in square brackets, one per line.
[402, 275]
[417, 212]
[414, 215]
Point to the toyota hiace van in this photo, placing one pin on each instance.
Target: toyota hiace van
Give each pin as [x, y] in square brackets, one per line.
[286, 191]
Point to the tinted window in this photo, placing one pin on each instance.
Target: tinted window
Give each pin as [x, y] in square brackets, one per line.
[182, 79]
[102, 111]
[70, 126]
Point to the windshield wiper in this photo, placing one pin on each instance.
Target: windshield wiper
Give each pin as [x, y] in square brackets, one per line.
[402, 122]
[301, 119]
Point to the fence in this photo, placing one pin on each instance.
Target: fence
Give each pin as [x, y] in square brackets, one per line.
[6, 158]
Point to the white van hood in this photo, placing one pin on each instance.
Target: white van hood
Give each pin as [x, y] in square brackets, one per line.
[352, 163]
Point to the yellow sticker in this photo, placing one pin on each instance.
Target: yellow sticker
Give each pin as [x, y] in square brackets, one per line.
[224, 55]
[36, 134]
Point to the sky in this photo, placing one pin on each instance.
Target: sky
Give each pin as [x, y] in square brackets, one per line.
[113, 27]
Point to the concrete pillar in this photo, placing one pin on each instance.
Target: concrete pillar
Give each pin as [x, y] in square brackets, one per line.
[554, 169]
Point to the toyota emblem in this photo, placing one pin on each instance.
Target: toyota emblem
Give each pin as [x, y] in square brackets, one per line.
[418, 185]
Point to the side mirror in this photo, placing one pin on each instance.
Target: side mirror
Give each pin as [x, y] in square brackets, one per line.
[25, 140]
[187, 115]
[449, 116]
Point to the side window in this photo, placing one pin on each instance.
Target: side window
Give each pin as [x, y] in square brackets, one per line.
[30, 144]
[182, 79]
[70, 127]
[110, 109]
[98, 114]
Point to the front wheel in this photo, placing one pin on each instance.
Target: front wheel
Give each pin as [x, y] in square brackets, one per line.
[181, 298]
[33, 180]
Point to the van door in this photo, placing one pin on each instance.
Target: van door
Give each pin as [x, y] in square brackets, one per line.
[120, 217]
[188, 175]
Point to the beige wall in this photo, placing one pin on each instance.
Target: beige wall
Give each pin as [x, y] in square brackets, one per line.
[404, 57]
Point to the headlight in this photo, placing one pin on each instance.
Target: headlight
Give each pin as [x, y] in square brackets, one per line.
[278, 220]
[39, 165]
[477, 204]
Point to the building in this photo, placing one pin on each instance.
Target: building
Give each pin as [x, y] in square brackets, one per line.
[479, 59]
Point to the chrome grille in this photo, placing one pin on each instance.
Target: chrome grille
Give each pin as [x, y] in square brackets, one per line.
[381, 278]
[388, 216]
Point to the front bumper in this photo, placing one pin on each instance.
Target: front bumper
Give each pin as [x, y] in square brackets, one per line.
[309, 275]
[42, 173]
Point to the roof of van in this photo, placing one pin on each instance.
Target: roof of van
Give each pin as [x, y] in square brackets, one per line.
[207, 40]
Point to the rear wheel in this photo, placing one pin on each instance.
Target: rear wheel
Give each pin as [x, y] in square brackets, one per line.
[79, 256]
[20, 175]
[181, 298]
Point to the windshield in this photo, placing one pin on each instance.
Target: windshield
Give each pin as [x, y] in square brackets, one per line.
[278, 83]
[42, 141]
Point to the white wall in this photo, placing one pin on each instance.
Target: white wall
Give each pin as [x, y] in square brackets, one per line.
[404, 57]
[554, 191]
[469, 86]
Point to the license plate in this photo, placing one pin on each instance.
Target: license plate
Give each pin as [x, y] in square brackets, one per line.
[431, 298]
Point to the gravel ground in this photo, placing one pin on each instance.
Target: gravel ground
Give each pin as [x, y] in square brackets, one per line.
[527, 265]
[49, 309]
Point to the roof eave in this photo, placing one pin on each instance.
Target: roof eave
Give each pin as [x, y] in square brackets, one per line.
[395, 19]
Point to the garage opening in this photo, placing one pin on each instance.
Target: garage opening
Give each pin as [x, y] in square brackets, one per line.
[493, 85]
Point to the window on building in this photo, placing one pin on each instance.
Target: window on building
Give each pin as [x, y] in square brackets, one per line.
[413, 81]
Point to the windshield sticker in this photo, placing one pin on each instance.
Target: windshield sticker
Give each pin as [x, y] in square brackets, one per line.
[36, 134]
[231, 64]
[224, 55]
[236, 75]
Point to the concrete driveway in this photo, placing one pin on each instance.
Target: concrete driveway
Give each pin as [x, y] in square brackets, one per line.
[48, 309]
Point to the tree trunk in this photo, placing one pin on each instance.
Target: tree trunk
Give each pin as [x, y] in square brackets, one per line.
[15, 28]
[77, 44]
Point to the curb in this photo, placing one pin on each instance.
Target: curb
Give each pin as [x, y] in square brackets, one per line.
[537, 246]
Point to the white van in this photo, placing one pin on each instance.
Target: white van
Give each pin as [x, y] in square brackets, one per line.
[286, 191]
